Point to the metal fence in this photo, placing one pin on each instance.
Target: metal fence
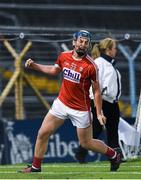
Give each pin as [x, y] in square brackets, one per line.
[49, 25]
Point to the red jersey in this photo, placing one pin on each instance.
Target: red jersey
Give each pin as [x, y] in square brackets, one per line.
[77, 76]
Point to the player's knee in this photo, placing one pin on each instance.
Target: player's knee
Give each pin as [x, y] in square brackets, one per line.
[44, 134]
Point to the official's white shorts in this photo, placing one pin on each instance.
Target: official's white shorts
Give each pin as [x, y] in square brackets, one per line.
[80, 119]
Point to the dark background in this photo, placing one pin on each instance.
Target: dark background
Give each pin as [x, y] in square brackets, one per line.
[50, 23]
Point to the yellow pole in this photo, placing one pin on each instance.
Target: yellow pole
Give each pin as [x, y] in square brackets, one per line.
[8, 87]
[18, 80]
[19, 107]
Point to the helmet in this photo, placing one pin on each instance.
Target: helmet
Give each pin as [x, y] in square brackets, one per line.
[82, 33]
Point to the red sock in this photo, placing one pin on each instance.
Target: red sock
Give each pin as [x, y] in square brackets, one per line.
[37, 162]
[111, 153]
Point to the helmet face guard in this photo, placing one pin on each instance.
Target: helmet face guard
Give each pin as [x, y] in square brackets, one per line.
[83, 34]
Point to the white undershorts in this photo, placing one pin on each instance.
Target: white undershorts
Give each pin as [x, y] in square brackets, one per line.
[80, 119]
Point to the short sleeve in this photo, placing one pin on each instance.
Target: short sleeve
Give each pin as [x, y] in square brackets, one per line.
[93, 72]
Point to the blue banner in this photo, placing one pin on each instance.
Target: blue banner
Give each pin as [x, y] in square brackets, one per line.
[17, 144]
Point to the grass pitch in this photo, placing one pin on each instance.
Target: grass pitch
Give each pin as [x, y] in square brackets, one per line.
[94, 170]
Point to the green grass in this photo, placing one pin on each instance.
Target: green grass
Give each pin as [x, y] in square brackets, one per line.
[94, 170]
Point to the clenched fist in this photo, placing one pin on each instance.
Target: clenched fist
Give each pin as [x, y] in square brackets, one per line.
[28, 62]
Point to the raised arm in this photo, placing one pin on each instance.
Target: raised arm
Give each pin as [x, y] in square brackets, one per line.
[48, 69]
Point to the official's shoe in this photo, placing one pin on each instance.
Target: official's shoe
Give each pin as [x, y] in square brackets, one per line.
[115, 163]
[80, 158]
[29, 169]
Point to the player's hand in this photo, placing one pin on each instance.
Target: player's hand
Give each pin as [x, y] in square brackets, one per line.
[28, 62]
[102, 119]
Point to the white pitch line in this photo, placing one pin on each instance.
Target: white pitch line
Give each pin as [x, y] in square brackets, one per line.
[57, 166]
[65, 166]
[76, 172]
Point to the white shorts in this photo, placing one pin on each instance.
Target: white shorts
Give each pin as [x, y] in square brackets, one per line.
[80, 119]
